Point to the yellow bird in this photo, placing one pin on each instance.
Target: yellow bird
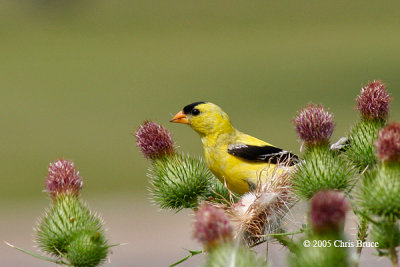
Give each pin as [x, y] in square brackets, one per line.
[235, 158]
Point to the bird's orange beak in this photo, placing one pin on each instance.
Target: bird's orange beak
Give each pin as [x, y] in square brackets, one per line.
[180, 117]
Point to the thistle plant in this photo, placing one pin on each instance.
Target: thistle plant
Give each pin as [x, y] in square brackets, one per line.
[379, 196]
[362, 168]
[177, 180]
[68, 231]
[373, 104]
[321, 168]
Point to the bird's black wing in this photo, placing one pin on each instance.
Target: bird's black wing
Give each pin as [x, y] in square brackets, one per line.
[269, 154]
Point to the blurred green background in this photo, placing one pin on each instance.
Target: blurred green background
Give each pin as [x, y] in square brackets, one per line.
[78, 77]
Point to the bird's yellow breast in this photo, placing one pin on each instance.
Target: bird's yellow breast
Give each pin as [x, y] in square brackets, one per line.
[234, 171]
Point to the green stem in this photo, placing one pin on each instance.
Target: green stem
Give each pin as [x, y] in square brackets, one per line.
[258, 243]
[393, 257]
[284, 234]
[38, 256]
[192, 253]
[279, 237]
[362, 234]
[286, 241]
[392, 250]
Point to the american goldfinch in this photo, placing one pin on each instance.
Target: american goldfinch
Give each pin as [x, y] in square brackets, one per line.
[235, 158]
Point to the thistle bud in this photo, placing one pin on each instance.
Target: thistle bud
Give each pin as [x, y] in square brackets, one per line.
[63, 179]
[68, 229]
[179, 181]
[314, 125]
[212, 226]
[71, 231]
[154, 140]
[321, 169]
[385, 233]
[328, 211]
[373, 104]
[380, 193]
[388, 144]
[373, 101]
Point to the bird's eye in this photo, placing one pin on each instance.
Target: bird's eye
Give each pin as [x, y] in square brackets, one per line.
[195, 112]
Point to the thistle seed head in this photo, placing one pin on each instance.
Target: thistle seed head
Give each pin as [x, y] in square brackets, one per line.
[260, 211]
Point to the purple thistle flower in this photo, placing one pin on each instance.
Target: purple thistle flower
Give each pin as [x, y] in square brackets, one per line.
[212, 226]
[154, 140]
[373, 101]
[314, 124]
[63, 179]
[328, 210]
[388, 143]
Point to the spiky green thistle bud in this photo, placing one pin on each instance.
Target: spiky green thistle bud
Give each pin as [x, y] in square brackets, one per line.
[230, 254]
[322, 169]
[380, 192]
[373, 104]
[69, 229]
[179, 181]
[361, 137]
[386, 234]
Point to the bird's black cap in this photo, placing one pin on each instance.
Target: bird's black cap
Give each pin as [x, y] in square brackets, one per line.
[188, 109]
